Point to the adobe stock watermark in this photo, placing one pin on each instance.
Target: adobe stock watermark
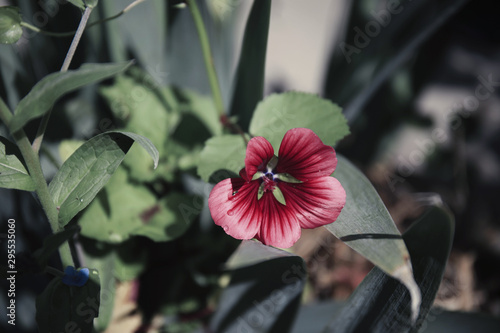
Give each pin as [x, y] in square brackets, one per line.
[424, 147]
[11, 271]
[372, 29]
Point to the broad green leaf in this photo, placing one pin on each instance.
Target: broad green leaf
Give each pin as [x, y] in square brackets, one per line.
[13, 173]
[366, 226]
[53, 242]
[89, 168]
[382, 304]
[249, 79]
[10, 25]
[264, 291]
[222, 153]
[105, 266]
[124, 209]
[140, 108]
[144, 112]
[44, 94]
[169, 219]
[278, 113]
[250, 253]
[116, 212]
[63, 308]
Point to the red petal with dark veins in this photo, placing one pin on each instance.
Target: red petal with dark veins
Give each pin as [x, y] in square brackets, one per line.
[238, 214]
[243, 174]
[303, 155]
[279, 227]
[316, 202]
[259, 152]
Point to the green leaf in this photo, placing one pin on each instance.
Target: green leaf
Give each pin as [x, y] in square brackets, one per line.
[222, 153]
[116, 212]
[143, 111]
[10, 25]
[203, 108]
[264, 292]
[140, 107]
[13, 173]
[53, 242]
[249, 79]
[104, 262]
[89, 168]
[366, 226]
[44, 94]
[280, 112]
[63, 308]
[169, 218]
[382, 304]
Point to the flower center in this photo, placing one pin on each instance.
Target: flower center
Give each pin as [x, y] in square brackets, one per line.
[268, 182]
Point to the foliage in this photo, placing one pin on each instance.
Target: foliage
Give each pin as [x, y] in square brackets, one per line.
[138, 213]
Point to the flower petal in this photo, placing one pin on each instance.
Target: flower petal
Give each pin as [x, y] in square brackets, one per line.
[259, 152]
[279, 227]
[303, 155]
[316, 202]
[238, 214]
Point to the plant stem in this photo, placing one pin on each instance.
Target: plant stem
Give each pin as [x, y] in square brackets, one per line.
[48, 33]
[76, 39]
[207, 56]
[35, 170]
[69, 56]
[71, 33]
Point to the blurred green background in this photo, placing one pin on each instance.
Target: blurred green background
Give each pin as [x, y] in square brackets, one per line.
[419, 82]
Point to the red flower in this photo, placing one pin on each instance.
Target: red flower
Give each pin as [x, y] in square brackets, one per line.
[277, 196]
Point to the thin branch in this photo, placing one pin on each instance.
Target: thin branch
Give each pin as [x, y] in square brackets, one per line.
[67, 61]
[207, 56]
[71, 33]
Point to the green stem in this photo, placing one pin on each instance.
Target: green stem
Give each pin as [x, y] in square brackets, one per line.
[35, 170]
[48, 33]
[69, 56]
[207, 56]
